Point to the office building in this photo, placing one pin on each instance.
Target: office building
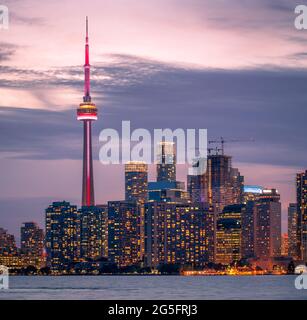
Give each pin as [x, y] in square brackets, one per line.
[229, 235]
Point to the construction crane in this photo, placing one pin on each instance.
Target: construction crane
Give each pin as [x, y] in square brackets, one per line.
[222, 142]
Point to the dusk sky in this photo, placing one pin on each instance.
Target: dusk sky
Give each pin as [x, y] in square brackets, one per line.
[237, 68]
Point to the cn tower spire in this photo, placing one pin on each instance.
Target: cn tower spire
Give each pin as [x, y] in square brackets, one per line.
[87, 67]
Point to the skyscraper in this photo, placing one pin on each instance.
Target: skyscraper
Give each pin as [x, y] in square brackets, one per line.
[178, 233]
[248, 230]
[136, 181]
[301, 194]
[166, 161]
[229, 234]
[224, 184]
[196, 180]
[93, 232]
[62, 235]
[284, 245]
[87, 112]
[124, 239]
[268, 225]
[292, 232]
[7, 243]
[32, 239]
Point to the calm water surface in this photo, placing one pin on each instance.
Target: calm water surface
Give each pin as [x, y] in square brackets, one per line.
[153, 287]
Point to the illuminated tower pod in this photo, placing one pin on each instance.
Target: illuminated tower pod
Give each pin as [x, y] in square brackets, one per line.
[87, 112]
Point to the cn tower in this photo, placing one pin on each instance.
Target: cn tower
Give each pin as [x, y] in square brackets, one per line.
[87, 112]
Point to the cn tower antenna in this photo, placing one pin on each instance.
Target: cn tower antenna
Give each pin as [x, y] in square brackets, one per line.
[86, 27]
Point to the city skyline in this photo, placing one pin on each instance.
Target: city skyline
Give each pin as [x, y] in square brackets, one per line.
[126, 81]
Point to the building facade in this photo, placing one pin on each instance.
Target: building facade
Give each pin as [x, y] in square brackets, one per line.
[7, 243]
[62, 235]
[124, 238]
[177, 233]
[93, 232]
[292, 232]
[196, 180]
[248, 229]
[136, 182]
[268, 225]
[166, 161]
[229, 235]
[32, 239]
[224, 184]
[301, 192]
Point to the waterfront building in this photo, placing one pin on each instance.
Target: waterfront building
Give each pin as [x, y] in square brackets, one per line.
[93, 232]
[301, 195]
[124, 238]
[32, 239]
[7, 243]
[292, 231]
[178, 233]
[62, 235]
[229, 234]
[268, 225]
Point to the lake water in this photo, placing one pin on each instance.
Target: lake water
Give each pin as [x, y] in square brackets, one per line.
[152, 287]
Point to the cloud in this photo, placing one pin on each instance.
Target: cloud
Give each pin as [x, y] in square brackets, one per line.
[265, 104]
[7, 50]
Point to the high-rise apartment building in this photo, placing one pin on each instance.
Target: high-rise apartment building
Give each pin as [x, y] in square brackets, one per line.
[179, 233]
[224, 184]
[284, 245]
[93, 232]
[7, 243]
[136, 181]
[124, 239]
[32, 239]
[301, 195]
[268, 225]
[292, 232]
[62, 235]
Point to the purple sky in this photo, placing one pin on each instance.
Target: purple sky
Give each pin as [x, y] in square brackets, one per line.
[237, 68]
